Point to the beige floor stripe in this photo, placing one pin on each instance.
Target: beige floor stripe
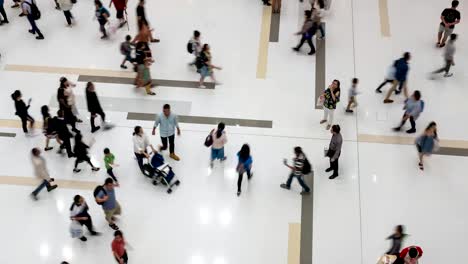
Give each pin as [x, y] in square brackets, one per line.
[401, 140]
[67, 184]
[10, 123]
[384, 18]
[71, 71]
[263, 45]
[294, 243]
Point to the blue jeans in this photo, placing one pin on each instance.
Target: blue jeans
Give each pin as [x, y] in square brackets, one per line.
[34, 27]
[299, 179]
[41, 186]
[217, 153]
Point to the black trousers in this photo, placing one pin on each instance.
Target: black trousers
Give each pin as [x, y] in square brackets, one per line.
[102, 27]
[334, 166]
[88, 222]
[68, 16]
[309, 41]
[124, 257]
[241, 176]
[70, 118]
[94, 115]
[66, 145]
[446, 68]
[3, 13]
[171, 143]
[24, 122]
[384, 83]
[34, 27]
[111, 173]
[81, 159]
[140, 158]
[412, 122]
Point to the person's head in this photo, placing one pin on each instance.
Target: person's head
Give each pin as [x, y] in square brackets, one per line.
[138, 131]
[45, 111]
[63, 82]
[335, 129]
[220, 130]
[453, 37]
[118, 235]
[128, 38]
[407, 56]
[413, 253]
[78, 200]
[308, 14]
[455, 4]
[399, 229]
[321, 4]
[298, 151]
[355, 81]
[167, 109]
[196, 34]
[336, 84]
[60, 113]
[98, 3]
[106, 151]
[244, 152]
[432, 127]
[90, 86]
[206, 47]
[142, 2]
[16, 95]
[109, 183]
[417, 95]
[36, 152]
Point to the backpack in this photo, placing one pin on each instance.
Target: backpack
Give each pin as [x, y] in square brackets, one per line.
[307, 168]
[422, 106]
[190, 47]
[35, 13]
[96, 192]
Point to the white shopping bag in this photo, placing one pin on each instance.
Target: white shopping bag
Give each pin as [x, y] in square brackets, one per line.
[387, 259]
[76, 230]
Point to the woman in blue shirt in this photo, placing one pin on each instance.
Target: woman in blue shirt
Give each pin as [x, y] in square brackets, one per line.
[244, 165]
[427, 143]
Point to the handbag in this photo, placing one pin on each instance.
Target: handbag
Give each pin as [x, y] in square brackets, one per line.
[387, 259]
[320, 101]
[209, 140]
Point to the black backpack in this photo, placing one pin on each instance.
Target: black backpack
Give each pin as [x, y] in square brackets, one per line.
[307, 168]
[96, 192]
[190, 47]
[35, 13]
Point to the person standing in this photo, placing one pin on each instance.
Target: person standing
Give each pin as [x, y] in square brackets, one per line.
[142, 21]
[63, 133]
[140, 146]
[448, 56]
[300, 167]
[48, 127]
[32, 12]
[413, 108]
[120, 7]
[397, 240]
[41, 172]
[109, 163]
[427, 143]
[352, 93]
[118, 248]
[94, 107]
[22, 111]
[102, 15]
[449, 18]
[80, 216]
[81, 153]
[167, 123]
[204, 65]
[244, 165]
[66, 6]
[331, 97]
[308, 31]
[334, 150]
[105, 196]
[401, 75]
[219, 140]
[389, 78]
[4, 19]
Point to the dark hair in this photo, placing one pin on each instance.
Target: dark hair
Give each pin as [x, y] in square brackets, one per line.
[244, 152]
[63, 80]
[308, 13]
[453, 36]
[45, 111]
[118, 233]
[136, 130]
[196, 33]
[128, 38]
[413, 252]
[431, 125]
[337, 82]
[336, 128]
[406, 55]
[106, 151]
[98, 3]
[166, 106]
[400, 229]
[455, 3]
[15, 95]
[298, 150]
[108, 181]
[60, 113]
[88, 85]
[355, 80]
[76, 200]
[220, 130]
[417, 95]
[321, 4]
[205, 47]
[35, 151]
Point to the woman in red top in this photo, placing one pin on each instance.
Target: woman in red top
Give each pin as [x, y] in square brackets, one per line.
[120, 6]
[118, 248]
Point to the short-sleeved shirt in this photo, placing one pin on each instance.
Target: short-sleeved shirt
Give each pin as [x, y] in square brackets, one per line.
[298, 164]
[167, 124]
[329, 102]
[109, 159]
[118, 247]
[111, 203]
[100, 15]
[450, 15]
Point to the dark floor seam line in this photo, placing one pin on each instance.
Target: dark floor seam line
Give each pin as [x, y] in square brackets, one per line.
[156, 82]
[5, 134]
[275, 27]
[320, 68]
[307, 222]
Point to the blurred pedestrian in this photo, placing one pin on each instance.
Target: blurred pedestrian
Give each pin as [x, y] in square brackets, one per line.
[410, 255]
[49, 128]
[32, 12]
[102, 15]
[204, 65]
[109, 159]
[126, 50]
[143, 23]
[307, 32]
[389, 77]
[41, 172]
[352, 93]
[4, 18]
[401, 75]
[81, 153]
[414, 106]
[427, 143]
[244, 165]
[80, 216]
[121, 8]
[397, 240]
[448, 56]
[105, 196]
[66, 6]
[299, 169]
[194, 46]
[22, 111]
[63, 133]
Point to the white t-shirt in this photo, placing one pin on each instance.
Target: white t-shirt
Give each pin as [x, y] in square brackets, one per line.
[140, 143]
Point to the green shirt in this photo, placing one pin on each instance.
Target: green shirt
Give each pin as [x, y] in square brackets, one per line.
[109, 159]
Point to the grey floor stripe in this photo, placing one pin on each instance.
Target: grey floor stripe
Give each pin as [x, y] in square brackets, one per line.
[5, 134]
[157, 82]
[307, 222]
[320, 68]
[205, 120]
[452, 152]
[275, 27]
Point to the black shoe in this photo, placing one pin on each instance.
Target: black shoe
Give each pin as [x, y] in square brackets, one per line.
[311, 53]
[95, 169]
[83, 238]
[238, 193]
[411, 131]
[76, 170]
[333, 176]
[397, 91]
[40, 37]
[267, 4]
[31, 31]
[396, 129]
[95, 129]
[378, 90]
[5, 21]
[349, 111]
[114, 226]
[305, 192]
[295, 49]
[48, 148]
[34, 197]
[16, 5]
[51, 188]
[104, 37]
[328, 170]
[122, 24]
[284, 186]
[21, 15]
[94, 233]
[123, 66]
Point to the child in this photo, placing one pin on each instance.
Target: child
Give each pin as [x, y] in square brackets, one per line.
[126, 50]
[195, 46]
[109, 163]
[118, 248]
[352, 96]
[146, 80]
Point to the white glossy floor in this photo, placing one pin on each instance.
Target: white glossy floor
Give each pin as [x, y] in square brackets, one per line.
[203, 222]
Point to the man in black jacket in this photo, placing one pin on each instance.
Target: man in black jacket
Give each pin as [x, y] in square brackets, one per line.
[63, 133]
[94, 107]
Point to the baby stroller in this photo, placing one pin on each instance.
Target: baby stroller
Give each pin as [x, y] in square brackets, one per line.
[160, 172]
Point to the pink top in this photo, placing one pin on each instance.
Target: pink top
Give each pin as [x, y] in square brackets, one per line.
[219, 142]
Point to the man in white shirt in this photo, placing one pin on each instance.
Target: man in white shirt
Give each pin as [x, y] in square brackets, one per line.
[41, 172]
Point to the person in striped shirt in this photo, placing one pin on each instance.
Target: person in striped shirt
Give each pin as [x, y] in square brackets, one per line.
[298, 169]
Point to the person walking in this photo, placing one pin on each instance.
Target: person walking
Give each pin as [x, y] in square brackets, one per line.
[63, 133]
[71, 98]
[102, 15]
[118, 248]
[219, 140]
[143, 23]
[308, 31]
[109, 159]
[145, 79]
[66, 6]
[410, 255]
[448, 56]
[65, 104]
[401, 75]
[22, 111]
[334, 150]
[32, 13]
[427, 143]
[413, 108]
[140, 146]
[204, 65]
[194, 46]
[244, 165]
[397, 240]
[105, 196]
[126, 50]
[121, 8]
[48, 128]
[389, 77]
[4, 18]
[318, 10]
[167, 123]
[352, 93]
[94, 107]
[331, 97]
[300, 167]
[41, 172]
[449, 18]
[80, 216]
[81, 153]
